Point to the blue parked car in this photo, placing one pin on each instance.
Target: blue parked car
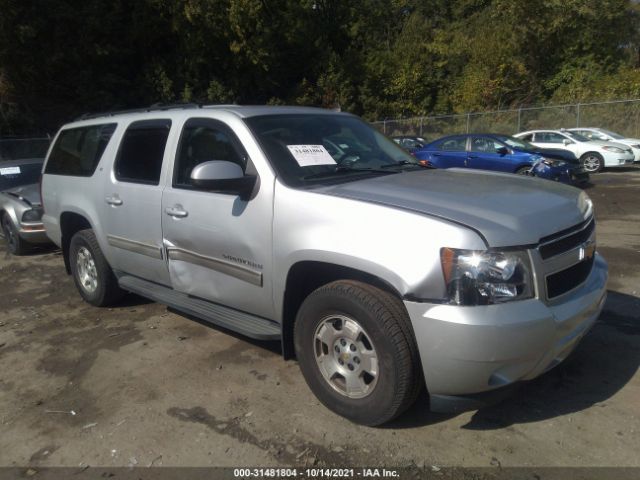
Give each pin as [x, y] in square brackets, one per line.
[502, 153]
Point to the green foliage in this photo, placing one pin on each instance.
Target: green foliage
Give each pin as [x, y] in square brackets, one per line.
[377, 58]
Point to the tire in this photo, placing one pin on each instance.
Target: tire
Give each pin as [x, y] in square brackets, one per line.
[524, 170]
[91, 272]
[592, 162]
[15, 244]
[378, 326]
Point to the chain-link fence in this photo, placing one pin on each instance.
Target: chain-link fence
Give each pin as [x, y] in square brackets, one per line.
[620, 116]
[14, 148]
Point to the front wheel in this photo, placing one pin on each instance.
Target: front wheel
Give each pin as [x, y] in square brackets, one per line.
[357, 352]
[524, 171]
[91, 272]
[15, 244]
[592, 162]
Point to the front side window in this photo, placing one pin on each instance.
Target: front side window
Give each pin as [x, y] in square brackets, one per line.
[77, 151]
[307, 149]
[485, 145]
[205, 140]
[141, 152]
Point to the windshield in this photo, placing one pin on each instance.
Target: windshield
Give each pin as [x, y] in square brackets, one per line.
[577, 136]
[12, 176]
[614, 135]
[309, 149]
[515, 142]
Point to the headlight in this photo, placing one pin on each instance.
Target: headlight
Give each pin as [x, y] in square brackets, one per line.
[553, 162]
[482, 277]
[613, 149]
[32, 216]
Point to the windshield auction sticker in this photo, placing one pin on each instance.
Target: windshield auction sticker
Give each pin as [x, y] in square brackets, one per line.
[10, 171]
[310, 155]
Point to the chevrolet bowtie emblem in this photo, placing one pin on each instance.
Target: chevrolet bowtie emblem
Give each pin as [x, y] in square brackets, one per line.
[587, 250]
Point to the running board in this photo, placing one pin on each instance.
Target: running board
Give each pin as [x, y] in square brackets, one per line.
[243, 323]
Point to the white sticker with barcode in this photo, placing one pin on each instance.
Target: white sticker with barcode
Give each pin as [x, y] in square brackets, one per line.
[10, 171]
[309, 155]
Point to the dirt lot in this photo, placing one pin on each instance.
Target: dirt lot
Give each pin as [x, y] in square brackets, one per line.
[149, 386]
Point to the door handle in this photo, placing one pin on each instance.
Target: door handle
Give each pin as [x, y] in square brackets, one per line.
[176, 211]
[473, 156]
[113, 200]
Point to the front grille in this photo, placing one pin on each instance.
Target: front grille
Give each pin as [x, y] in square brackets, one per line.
[566, 243]
[570, 278]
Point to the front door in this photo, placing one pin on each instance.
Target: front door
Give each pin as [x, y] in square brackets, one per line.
[132, 198]
[218, 246]
[488, 154]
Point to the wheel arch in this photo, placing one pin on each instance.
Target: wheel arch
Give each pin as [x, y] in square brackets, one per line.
[70, 224]
[306, 276]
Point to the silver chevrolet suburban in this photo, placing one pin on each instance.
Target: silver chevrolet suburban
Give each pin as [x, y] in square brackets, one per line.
[378, 274]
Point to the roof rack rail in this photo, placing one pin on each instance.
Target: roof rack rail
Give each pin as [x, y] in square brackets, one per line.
[152, 108]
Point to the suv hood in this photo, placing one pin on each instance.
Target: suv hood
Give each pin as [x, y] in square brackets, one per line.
[506, 209]
[27, 193]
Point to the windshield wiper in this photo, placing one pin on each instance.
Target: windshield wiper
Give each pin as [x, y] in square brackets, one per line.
[403, 163]
[343, 169]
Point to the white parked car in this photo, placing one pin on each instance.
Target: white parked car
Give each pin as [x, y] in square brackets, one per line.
[609, 136]
[594, 154]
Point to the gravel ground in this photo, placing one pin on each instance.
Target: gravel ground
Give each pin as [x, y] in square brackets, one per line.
[142, 385]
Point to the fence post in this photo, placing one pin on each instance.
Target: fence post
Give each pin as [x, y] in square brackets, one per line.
[384, 126]
[468, 121]
[578, 115]
[421, 120]
[519, 119]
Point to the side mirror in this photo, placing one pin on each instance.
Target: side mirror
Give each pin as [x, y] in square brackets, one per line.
[502, 150]
[223, 177]
[566, 142]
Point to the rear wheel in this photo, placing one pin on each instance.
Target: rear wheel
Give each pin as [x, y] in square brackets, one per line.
[91, 273]
[356, 350]
[15, 244]
[592, 162]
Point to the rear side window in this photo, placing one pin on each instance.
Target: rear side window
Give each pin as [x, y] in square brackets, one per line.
[141, 152]
[77, 151]
[456, 144]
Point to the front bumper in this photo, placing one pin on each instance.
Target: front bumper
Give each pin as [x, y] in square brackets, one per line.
[33, 233]
[570, 175]
[613, 161]
[469, 350]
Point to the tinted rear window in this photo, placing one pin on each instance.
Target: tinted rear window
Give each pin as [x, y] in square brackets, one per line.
[141, 152]
[77, 151]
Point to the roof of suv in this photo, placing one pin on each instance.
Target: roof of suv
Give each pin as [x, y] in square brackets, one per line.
[243, 111]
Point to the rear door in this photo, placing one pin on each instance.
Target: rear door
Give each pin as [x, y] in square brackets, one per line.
[132, 201]
[218, 245]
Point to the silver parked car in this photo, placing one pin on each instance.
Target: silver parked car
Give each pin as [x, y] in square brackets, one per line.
[20, 205]
[300, 225]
